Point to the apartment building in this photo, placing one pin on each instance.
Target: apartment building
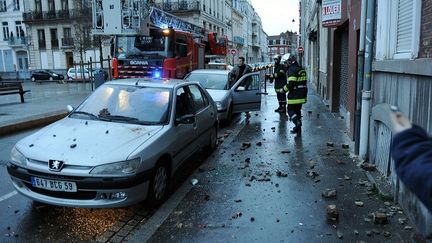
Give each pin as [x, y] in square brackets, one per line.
[13, 44]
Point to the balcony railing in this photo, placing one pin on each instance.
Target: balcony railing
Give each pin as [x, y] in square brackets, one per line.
[181, 5]
[17, 41]
[67, 42]
[57, 15]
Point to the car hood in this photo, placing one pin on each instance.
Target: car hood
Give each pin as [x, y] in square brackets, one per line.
[85, 142]
[217, 94]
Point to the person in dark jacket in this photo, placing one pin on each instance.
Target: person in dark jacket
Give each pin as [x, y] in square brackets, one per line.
[238, 71]
[297, 92]
[279, 77]
[411, 150]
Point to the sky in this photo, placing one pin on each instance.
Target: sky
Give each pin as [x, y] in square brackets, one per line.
[277, 15]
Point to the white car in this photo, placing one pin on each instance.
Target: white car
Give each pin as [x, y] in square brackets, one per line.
[76, 73]
[122, 145]
[230, 97]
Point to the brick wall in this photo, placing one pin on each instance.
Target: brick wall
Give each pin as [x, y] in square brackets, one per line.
[426, 30]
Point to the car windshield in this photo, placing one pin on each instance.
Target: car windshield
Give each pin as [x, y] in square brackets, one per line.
[137, 46]
[129, 104]
[210, 80]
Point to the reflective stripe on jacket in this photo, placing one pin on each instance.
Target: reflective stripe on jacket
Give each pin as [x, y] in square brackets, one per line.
[297, 85]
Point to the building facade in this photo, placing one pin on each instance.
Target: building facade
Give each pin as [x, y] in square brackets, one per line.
[59, 33]
[13, 45]
[394, 70]
[234, 18]
[281, 44]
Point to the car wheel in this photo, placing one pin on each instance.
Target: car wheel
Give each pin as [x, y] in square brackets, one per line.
[33, 79]
[50, 79]
[159, 183]
[211, 146]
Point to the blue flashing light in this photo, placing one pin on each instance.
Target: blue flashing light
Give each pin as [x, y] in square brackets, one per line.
[157, 74]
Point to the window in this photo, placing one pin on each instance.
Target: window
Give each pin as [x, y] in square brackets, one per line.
[398, 29]
[3, 7]
[181, 46]
[197, 98]
[5, 31]
[64, 5]
[51, 6]
[67, 33]
[41, 38]
[54, 38]
[16, 4]
[18, 28]
[38, 6]
[183, 103]
[250, 82]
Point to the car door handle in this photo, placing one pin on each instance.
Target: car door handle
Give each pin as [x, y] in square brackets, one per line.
[261, 93]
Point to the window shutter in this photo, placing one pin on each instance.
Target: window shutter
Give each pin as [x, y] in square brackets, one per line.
[404, 26]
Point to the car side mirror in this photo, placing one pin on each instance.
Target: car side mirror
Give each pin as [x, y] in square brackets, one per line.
[186, 119]
[70, 108]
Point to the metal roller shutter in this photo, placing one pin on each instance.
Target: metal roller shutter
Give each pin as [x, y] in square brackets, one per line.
[405, 12]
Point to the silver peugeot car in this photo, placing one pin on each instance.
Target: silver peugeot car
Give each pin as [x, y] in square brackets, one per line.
[230, 97]
[121, 146]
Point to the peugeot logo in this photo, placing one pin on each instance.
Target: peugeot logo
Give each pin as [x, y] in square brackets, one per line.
[55, 165]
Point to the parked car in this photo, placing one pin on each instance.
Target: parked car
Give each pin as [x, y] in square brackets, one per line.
[76, 73]
[241, 96]
[46, 75]
[122, 145]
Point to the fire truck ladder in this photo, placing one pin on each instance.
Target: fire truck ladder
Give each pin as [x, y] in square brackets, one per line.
[163, 19]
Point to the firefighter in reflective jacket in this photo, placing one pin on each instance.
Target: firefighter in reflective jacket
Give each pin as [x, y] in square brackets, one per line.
[279, 76]
[297, 92]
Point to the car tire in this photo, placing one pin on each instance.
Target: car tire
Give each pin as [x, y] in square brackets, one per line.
[159, 184]
[33, 79]
[213, 141]
[50, 79]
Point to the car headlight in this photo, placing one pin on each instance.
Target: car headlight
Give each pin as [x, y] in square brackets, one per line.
[55, 75]
[17, 157]
[122, 168]
[219, 105]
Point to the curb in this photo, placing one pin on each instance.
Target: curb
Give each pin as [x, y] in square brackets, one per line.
[31, 123]
[384, 190]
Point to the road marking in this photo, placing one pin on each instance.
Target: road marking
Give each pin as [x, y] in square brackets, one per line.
[10, 194]
[146, 231]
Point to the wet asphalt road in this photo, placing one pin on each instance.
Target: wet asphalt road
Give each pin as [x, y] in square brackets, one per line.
[268, 192]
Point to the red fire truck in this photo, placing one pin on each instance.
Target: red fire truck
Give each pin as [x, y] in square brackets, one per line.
[148, 42]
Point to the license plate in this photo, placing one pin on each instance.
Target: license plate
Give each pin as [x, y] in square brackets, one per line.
[54, 185]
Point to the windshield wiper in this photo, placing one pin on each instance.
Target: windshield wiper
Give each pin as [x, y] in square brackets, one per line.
[126, 119]
[91, 115]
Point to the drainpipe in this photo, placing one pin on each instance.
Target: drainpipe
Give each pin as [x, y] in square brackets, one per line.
[366, 95]
[360, 62]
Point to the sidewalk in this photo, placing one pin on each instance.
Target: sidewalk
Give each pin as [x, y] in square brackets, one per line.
[45, 103]
[271, 190]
